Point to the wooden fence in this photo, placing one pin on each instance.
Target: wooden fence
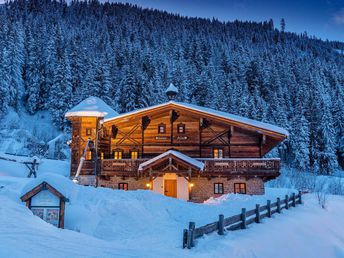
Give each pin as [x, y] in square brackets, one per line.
[239, 221]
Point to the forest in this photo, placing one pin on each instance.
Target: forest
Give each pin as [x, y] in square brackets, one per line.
[53, 55]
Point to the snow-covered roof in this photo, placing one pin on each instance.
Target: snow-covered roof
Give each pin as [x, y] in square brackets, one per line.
[92, 106]
[172, 88]
[177, 154]
[254, 123]
[60, 183]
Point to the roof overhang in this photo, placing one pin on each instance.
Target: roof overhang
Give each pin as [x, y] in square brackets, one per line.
[172, 157]
[42, 186]
[250, 124]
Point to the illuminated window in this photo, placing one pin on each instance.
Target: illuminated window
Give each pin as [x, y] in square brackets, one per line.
[134, 154]
[123, 186]
[218, 153]
[181, 128]
[88, 131]
[88, 155]
[105, 132]
[102, 155]
[161, 128]
[240, 188]
[117, 154]
[218, 188]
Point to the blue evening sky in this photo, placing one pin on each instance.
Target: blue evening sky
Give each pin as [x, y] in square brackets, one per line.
[322, 18]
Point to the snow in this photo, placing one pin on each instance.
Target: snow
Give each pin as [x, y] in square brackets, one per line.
[102, 222]
[92, 106]
[177, 154]
[172, 88]
[256, 124]
[17, 169]
[21, 132]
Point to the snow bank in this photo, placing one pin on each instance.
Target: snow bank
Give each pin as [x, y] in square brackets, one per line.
[15, 169]
[102, 222]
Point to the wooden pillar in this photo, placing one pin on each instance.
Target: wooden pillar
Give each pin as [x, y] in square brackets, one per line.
[278, 205]
[257, 213]
[221, 225]
[268, 205]
[243, 218]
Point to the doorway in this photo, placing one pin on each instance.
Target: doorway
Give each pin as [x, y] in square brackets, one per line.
[170, 188]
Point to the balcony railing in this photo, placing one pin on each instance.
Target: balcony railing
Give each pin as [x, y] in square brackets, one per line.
[213, 167]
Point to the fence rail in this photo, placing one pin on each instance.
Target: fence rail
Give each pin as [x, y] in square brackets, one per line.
[239, 221]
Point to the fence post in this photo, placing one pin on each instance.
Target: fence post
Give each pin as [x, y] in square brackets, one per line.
[185, 238]
[192, 226]
[257, 213]
[300, 198]
[268, 205]
[294, 200]
[221, 225]
[278, 205]
[287, 202]
[243, 218]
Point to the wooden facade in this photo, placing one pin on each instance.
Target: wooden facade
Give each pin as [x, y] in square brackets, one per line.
[229, 148]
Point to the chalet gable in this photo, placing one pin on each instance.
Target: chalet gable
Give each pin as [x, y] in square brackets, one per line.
[202, 112]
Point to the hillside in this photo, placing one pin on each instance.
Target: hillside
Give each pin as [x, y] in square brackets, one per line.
[54, 55]
[103, 222]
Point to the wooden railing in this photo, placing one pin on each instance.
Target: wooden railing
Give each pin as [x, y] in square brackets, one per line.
[261, 167]
[220, 167]
[239, 221]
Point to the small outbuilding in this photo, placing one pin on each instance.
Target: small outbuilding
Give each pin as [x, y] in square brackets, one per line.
[47, 203]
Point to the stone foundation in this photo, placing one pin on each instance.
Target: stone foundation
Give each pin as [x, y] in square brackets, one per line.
[203, 188]
[133, 184]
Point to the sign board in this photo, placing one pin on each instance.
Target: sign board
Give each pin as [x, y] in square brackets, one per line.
[45, 198]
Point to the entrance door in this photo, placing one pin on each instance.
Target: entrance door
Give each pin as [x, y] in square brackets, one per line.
[171, 188]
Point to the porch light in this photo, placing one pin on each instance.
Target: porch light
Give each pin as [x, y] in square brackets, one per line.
[191, 184]
[148, 185]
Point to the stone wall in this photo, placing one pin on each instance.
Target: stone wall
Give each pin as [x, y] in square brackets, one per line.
[133, 184]
[203, 188]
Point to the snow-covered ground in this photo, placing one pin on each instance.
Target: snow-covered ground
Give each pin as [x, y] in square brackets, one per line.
[111, 223]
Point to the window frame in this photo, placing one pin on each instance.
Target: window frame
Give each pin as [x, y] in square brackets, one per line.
[162, 125]
[239, 192]
[117, 151]
[181, 125]
[88, 131]
[123, 186]
[131, 151]
[88, 155]
[218, 189]
[218, 151]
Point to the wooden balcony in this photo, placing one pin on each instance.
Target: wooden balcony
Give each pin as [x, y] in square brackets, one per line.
[268, 168]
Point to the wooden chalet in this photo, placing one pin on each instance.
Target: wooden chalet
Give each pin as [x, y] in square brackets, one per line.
[176, 149]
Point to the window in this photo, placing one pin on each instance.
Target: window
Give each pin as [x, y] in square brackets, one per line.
[240, 188]
[117, 154]
[181, 128]
[88, 155]
[218, 153]
[218, 188]
[88, 131]
[102, 155]
[134, 154]
[161, 128]
[123, 186]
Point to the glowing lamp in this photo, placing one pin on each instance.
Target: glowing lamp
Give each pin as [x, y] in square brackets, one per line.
[191, 184]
